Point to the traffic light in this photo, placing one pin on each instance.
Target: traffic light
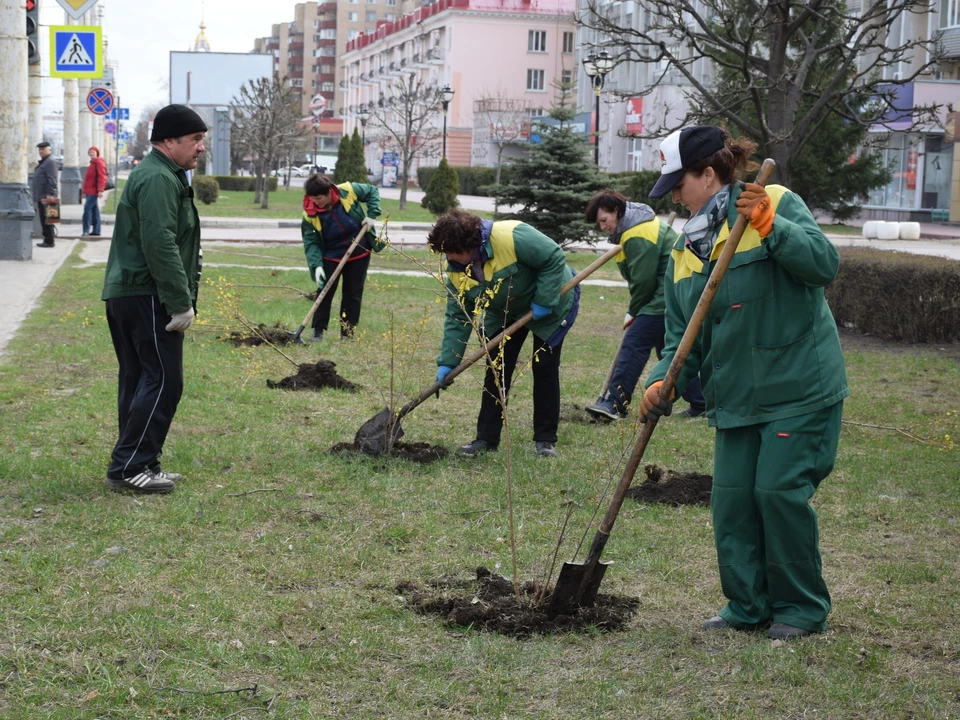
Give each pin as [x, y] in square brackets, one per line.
[33, 28]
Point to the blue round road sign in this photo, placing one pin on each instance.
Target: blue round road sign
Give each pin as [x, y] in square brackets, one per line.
[100, 101]
[110, 127]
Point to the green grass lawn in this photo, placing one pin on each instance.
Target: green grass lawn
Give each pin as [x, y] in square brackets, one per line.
[274, 564]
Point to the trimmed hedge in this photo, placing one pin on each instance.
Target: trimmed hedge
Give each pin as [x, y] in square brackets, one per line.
[473, 180]
[206, 189]
[240, 183]
[897, 296]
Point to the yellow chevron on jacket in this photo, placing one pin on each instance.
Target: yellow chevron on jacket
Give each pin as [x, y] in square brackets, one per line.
[685, 262]
[504, 255]
[348, 196]
[649, 231]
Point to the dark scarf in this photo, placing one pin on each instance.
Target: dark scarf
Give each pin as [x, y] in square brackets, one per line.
[702, 229]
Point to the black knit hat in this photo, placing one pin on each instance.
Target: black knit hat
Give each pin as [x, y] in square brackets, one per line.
[175, 121]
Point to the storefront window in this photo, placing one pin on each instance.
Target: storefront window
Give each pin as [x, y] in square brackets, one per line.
[937, 164]
[901, 153]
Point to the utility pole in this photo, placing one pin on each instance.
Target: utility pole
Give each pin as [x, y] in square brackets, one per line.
[35, 102]
[16, 208]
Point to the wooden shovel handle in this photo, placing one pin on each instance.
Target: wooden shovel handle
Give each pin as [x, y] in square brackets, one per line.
[523, 320]
[679, 357]
[336, 273]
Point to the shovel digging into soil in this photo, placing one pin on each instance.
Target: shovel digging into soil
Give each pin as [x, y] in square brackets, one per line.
[578, 584]
[379, 433]
[295, 337]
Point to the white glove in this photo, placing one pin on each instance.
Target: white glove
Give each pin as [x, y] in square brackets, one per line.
[180, 321]
[321, 277]
[369, 224]
[627, 320]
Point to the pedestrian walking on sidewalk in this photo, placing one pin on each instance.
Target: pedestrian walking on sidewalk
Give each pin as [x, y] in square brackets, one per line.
[332, 217]
[645, 244]
[94, 185]
[773, 375]
[152, 278]
[45, 188]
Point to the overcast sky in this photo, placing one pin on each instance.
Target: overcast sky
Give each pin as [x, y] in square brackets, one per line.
[140, 36]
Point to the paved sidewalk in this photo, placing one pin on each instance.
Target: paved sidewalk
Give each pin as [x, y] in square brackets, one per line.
[22, 282]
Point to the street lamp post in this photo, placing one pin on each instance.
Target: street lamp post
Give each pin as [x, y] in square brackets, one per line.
[597, 67]
[446, 95]
[363, 116]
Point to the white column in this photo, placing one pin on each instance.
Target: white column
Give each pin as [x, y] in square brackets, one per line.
[16, 208]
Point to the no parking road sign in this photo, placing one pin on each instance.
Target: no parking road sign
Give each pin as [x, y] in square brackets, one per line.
[110, 127]
[99, 101]
[76, 51]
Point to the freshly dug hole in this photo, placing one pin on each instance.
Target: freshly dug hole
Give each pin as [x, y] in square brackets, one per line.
[491, 604]
[260, 335]
[417, 452]
[313, 376]
[669, 488]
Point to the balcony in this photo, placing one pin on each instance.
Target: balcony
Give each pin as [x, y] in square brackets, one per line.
[295, 74]
[324, 8]
[328, 25]
[294, 46]
[273, 46]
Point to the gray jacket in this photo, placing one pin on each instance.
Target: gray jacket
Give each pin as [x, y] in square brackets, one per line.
[45, 179]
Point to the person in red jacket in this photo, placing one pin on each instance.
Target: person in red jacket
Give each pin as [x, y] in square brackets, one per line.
[94, 183]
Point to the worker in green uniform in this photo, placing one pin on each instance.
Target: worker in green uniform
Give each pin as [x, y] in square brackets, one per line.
[502, 270]
[645, 244]
[773, 376]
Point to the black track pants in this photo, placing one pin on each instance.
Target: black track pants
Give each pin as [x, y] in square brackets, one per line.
[150, 380]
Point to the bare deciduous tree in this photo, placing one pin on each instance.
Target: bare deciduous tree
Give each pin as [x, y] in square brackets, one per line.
[506, 118]
[787, 66]
[266, 121]
[406, 116]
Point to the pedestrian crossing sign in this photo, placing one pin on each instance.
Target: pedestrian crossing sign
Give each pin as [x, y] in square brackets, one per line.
[76, 51]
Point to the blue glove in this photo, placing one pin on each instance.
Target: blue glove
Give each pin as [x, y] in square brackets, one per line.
[539, 311]
[442, 373]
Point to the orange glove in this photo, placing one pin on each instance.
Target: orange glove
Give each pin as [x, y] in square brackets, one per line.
[652, 406]
[754, 204]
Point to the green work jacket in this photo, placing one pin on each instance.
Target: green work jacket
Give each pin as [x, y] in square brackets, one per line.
[642, 261]
[156, 237]
[311, 226]
[768, 348]
[523, 266]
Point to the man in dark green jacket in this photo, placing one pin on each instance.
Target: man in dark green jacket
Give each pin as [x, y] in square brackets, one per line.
[332, 217]
[150, 289]
[507, 268]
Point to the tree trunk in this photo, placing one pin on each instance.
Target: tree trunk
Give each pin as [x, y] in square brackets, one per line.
[496, 202]
[266, 188]
[258, 164]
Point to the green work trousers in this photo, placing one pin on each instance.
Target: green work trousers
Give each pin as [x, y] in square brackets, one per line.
[764, 527]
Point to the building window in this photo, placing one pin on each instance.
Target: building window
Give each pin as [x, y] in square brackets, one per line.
[567, 78]
[350, 36]
[535, 112]
[389, 17]
[949, 13]
[326, 87]
[390, 2]
[535, 80]
[537, 41]
[371, 16]
[568, 42]
[353, 16]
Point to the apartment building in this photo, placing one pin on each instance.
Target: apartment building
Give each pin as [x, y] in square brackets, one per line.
[926, 170]
[481, 49]
[305, 49]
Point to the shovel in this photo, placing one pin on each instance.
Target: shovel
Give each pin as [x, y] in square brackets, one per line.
[623, 336]
[380, 432]
[578, 584]
[295, 337]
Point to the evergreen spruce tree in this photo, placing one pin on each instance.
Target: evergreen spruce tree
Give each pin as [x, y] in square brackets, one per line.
[343, 168]
[555, 180]
[442, 190]
[359, 161]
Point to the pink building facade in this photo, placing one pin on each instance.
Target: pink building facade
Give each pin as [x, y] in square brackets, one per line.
[482, 49]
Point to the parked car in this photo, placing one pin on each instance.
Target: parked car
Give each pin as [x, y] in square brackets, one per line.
[286, 170]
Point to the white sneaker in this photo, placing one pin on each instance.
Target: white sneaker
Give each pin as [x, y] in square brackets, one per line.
[143, 482]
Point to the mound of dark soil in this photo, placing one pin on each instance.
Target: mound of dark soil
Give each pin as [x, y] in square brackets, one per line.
[492, 605]
[670, 488]
[417, 452]
[313, 376]
[261, 334]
